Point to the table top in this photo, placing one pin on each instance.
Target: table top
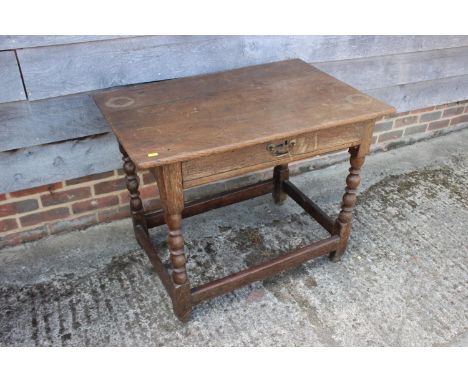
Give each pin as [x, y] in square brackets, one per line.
[177, 120]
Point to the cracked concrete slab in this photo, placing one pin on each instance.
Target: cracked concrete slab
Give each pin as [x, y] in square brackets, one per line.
[402, 282]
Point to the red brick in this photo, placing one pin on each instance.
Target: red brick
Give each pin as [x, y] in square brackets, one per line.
[23, 236]
[2, 197]
[44, 216]
[124, 197]
[405, 121]
[147, 192]
[8, 225]
[113, 214]
[109, 186]
[65, 196]
[73, 224]
[453, 111]
[88, 205]
[447, 105]
[7, 209]
[423, 110]
[18, 207]
[89, 178]
[460, 119]
[148, 178]
[37, 190]
[395, 134]
[438, 124]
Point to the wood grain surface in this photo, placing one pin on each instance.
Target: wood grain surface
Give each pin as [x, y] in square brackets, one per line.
[183, 119]
[236, 162]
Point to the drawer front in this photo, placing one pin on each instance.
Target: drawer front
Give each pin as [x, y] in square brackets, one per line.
[237, 162]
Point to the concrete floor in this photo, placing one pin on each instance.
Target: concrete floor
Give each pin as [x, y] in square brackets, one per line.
[403, 281]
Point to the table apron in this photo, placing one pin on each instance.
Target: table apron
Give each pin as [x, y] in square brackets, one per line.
[233, 163]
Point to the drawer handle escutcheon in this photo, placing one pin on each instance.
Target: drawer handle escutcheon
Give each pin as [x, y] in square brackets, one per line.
[282, 149]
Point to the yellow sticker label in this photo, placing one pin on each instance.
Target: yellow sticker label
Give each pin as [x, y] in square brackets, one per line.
[150, 155]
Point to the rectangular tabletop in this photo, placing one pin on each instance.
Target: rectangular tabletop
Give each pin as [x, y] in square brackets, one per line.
[177, 120]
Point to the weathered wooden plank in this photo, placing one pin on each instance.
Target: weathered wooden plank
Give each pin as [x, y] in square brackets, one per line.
[44, 164]
[66, 69]
[29, 41]
[22, 42]
[331, 48]
[399, 69]
[11, 85]
[25, 124]
[423, 94]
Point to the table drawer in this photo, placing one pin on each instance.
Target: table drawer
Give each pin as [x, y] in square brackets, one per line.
[236, 162]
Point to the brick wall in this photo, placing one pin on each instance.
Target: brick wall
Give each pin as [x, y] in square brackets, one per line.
[79, 203]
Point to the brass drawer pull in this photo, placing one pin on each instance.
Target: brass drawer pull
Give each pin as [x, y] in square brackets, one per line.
[282, 149]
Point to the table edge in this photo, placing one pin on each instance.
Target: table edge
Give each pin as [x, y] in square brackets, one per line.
[179, 158]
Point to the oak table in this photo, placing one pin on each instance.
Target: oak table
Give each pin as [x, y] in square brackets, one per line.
[197, 130]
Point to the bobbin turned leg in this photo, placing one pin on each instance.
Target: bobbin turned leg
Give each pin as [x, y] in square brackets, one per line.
[136, 205]
[343, 222]
[169, 179]
[280, 174]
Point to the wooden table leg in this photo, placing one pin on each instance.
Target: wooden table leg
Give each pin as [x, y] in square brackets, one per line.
[169, 180]
[280, 174]
[136, 205]
[343, 222]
